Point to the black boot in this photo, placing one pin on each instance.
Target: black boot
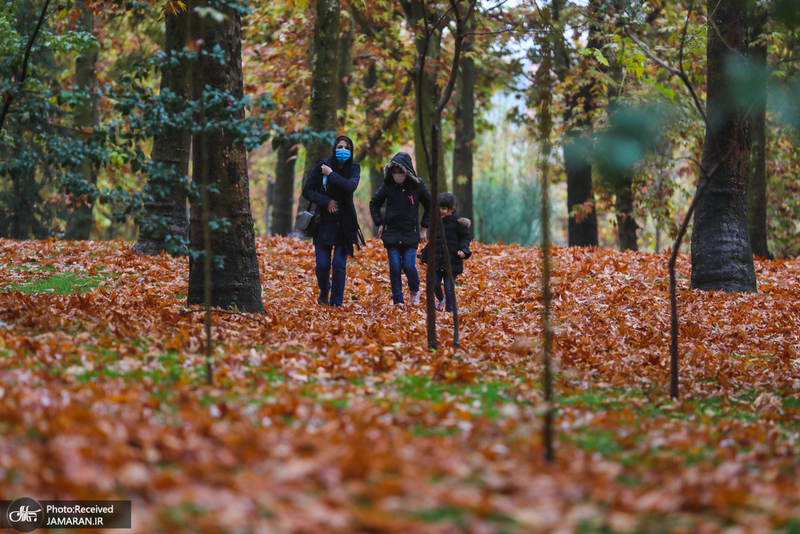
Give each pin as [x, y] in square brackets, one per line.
[322, 300]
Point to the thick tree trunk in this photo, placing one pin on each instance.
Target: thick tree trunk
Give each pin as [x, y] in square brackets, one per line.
[170, 148]
[324, 61]
[465, 133]
[345, 73]
[621, 180]
[757, 184]
[581, 225]
[626, 224]
[224, 165]
[81, 221]
[426, 96]
[721, 255]
[283, 201]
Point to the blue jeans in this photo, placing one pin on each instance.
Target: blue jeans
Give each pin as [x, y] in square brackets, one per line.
[323, 271]
[402, 259]
[448, 290]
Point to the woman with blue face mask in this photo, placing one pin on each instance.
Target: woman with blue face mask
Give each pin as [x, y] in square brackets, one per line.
[331, 185]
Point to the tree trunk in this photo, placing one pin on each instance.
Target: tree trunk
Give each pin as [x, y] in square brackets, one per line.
[581, 225]
[324, 61]
[171, 149]
[626, 224]
[621, 180]
[757, 184]
[426, 97]
[464, 133]
[344, 75]
[283, 201]
[721, 255]
[224, 165]
[81, 221]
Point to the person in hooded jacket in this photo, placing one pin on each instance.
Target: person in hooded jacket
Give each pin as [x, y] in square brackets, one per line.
[457, 237]
[331, 185]
[402, 192]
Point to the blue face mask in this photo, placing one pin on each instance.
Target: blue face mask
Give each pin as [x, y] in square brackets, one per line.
[342, 154]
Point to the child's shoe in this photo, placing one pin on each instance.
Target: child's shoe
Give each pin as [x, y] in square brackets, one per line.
[439, 304]
[413, 298]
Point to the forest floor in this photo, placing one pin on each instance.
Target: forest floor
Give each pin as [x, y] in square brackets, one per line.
[327, 420]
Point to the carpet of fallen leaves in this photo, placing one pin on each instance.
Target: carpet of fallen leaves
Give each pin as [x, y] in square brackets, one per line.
[341, 420]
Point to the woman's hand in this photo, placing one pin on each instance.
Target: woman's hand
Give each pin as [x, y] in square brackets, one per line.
[380, 230]
[423, 235]
[333, 207]
[461, 254]
[326, 170]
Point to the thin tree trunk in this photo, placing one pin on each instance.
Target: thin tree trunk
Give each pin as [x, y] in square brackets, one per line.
[464, 133]
[626, 224]
[81, 221]
[721, 255]
[757, 184]
[426, 94]
[581, 226]
[237, 283]
[345, 73]
[324, 61]
[283, 200]
[621, 180]
[170, 148]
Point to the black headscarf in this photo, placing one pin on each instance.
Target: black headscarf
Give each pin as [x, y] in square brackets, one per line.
[347, 166]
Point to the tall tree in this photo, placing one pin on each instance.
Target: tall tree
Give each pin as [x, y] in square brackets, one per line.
[283, 198]
[222, 163]
[582, 223]
[757, 184]
[721, 255]
[324, 61]
[81, 221]
[464, 131]
[425, 87]
[346, 40]
[166, 213]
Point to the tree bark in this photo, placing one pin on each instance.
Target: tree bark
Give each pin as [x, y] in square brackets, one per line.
[224, 163]
[464, 133]
[581, 226]
[170, 148]
[81, 221]
[621, 180]
[425, 95]
[324, 61]
[757, 184]
[721, 255]
[345, 72]
[626, 224]
[283, 202]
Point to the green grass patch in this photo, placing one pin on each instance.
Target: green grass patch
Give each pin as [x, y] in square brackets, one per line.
[58, 284]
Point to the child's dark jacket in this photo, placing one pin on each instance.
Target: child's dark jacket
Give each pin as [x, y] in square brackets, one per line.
[400, 220]
[456, 233]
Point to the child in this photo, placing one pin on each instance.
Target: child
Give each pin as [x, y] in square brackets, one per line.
[402, 191]
[456, 235]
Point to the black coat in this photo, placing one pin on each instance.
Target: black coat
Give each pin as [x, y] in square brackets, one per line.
[456, 232]
[400, 219]
[341, 228]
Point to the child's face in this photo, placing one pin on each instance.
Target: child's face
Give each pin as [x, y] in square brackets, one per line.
[446, 211]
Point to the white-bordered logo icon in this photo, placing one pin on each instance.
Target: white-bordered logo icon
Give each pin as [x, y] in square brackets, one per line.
[25, 515]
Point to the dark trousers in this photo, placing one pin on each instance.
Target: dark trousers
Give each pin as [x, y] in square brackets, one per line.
[323, 271]
[402, 260]
[448, 296]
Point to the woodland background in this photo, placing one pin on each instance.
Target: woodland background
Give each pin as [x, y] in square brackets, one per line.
[559, 410]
